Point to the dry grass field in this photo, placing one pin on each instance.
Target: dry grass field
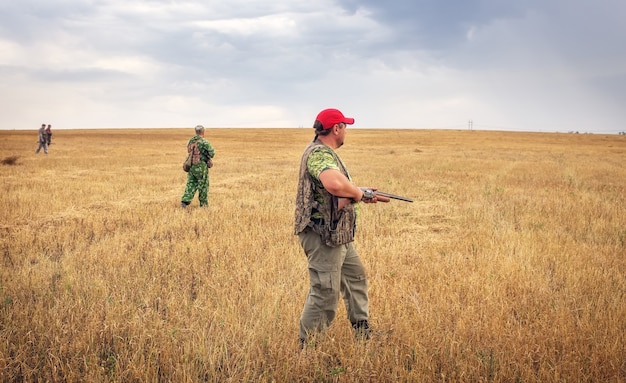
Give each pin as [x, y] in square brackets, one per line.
[509, 266]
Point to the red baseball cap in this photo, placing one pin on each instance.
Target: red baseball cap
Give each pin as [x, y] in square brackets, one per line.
[330, 117]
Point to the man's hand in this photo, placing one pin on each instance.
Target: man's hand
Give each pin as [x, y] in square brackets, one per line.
[377, 198]
[370, 196]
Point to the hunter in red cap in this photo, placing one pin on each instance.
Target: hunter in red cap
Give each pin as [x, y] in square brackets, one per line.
[325, 222]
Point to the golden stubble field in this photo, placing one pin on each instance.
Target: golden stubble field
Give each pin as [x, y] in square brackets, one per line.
[509, 267]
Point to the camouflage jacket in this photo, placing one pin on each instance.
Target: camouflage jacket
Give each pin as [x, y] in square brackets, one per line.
[205, 150]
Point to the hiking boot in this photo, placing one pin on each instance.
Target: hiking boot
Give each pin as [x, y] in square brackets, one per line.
[362, 330]
[184, 204]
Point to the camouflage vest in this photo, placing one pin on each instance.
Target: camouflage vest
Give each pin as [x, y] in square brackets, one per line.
[338, 226]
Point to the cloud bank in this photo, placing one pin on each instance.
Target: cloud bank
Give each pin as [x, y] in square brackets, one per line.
[547, 65]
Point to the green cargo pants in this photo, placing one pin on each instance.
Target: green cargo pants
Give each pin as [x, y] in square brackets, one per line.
[197, 180]
[332, 271]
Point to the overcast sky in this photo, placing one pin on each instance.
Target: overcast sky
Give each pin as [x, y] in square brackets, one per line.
[532, 65]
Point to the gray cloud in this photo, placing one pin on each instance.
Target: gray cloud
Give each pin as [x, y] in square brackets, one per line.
[537, 65]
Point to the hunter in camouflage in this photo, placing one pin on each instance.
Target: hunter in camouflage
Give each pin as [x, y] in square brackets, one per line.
[198, 175]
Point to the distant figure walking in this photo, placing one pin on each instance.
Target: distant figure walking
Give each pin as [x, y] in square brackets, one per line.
[198, 175]
[43, 139]
[49, 134]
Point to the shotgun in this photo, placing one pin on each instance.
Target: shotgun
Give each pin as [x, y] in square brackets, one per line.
[369, 193]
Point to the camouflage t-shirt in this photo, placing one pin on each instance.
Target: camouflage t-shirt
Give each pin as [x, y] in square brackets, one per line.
[320, 159]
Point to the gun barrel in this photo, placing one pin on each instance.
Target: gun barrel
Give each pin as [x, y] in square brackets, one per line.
[398, 197]
[406, 199]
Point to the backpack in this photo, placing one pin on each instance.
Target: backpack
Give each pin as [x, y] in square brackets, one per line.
[193, 157]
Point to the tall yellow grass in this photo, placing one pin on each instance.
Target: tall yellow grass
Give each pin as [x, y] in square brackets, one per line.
[509, 267]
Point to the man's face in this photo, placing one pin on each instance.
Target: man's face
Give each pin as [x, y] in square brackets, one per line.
[342, 133]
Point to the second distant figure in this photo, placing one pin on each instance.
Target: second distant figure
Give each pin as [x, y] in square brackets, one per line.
[42, 140]
[198, 175]
[49, 134]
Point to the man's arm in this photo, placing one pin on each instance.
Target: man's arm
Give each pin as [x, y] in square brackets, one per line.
[206, 147]
[339, 185]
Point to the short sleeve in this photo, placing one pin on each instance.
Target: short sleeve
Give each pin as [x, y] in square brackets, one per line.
[319, 160]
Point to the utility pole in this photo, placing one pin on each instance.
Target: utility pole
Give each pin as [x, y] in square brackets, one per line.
[470, 125]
